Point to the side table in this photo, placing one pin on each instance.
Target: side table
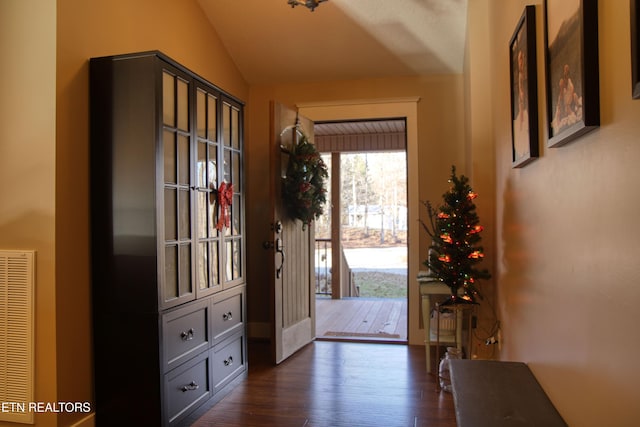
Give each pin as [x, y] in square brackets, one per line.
[429, 287]
[459, 309]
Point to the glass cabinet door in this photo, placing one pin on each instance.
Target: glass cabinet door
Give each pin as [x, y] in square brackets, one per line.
[233, 267]
[177, 286]
[220, 227]
[202, 152]
[207, 182]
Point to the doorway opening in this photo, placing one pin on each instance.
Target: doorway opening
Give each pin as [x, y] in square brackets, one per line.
[361, 240]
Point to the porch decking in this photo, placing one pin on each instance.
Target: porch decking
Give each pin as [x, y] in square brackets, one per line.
[362, 319]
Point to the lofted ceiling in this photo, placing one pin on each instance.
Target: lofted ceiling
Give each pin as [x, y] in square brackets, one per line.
[272, 43]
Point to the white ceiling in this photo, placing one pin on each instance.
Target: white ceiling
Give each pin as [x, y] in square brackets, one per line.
[271, 42]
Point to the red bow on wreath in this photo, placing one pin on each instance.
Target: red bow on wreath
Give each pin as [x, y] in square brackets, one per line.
[225, 198]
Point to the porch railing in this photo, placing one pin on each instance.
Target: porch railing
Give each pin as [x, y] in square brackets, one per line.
[324, 274]
[323, 266]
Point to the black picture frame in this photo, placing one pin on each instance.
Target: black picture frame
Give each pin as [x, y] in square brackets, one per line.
[573, 88]
[634, 8]
[524, 90]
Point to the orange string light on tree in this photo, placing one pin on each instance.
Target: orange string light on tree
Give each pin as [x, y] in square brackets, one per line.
[455, 233]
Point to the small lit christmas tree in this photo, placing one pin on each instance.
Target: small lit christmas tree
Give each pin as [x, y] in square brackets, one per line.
[455, 233]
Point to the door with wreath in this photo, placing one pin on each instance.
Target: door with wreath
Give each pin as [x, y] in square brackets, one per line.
[296, 192]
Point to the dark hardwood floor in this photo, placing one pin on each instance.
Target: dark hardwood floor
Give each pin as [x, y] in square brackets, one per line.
[336, 384]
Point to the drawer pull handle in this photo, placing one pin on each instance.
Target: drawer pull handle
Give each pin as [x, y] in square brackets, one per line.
[227, 316]
[187, 336]
[228, 361]
[191, 386]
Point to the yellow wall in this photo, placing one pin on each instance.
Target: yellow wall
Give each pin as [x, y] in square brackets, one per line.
[27, 165]
[85, 30]
[567, 235]
[480, 150]
[44, 169]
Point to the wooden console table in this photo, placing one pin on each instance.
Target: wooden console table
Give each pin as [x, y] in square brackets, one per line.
[428, 288]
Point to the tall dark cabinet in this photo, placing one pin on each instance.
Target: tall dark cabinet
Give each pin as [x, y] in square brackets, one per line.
[167, 241]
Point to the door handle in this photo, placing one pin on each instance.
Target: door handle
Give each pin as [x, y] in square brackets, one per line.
[280, 249]
[277, 246]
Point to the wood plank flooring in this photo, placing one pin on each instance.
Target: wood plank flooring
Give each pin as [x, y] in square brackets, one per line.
[369, 319]
[336, 384]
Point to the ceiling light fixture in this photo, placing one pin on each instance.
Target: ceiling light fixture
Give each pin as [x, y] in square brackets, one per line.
[309, 4]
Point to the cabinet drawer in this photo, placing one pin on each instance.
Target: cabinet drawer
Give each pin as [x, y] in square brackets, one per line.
[185, 333]
[186, 387]
[228, 314]
[227, 361]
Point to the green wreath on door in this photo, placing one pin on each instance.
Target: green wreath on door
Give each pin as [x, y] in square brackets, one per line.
[303, 188]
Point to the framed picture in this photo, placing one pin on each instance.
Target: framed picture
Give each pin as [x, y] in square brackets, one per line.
[524, 90]
[573, 92]
[635, 49]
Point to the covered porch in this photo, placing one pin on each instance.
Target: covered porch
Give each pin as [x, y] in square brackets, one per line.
[362, 319]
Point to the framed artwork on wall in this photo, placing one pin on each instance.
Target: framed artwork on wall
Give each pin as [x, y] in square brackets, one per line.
[524, 90]
[573, 89]
[635, 49]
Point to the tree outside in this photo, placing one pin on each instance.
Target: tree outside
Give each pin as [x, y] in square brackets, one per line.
[374, 220]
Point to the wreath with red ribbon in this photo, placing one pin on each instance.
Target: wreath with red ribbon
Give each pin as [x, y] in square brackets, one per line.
[303, 189]
[225, 199]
